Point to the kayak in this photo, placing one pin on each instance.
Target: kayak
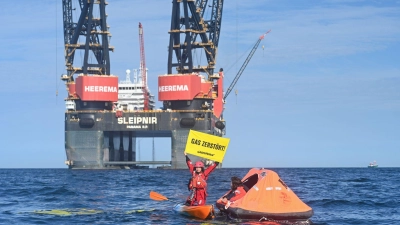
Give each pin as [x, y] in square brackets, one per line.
[201, 212]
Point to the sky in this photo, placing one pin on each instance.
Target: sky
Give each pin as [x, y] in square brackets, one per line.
[322, 89]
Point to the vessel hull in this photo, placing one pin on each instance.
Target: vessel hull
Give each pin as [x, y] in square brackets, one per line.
[200, 212]
[107, 139]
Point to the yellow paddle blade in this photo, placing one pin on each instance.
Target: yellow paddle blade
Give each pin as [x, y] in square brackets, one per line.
[157, 196]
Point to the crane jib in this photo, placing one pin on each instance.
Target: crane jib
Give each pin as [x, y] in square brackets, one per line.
[244, 65]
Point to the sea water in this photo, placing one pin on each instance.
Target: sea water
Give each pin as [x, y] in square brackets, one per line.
[63, 196]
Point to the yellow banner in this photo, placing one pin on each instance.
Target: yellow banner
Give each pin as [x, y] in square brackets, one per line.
[206, 145]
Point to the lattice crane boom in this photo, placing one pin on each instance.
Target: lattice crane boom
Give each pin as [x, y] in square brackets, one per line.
[143, 68]
[195, 25]
[244, 65]
[89, 35]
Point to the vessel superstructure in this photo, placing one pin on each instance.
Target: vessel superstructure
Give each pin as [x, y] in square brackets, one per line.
[131, 95]
[372, 164]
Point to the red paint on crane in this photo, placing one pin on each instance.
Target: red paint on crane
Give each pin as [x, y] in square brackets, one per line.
[178, 87]
[97, 88]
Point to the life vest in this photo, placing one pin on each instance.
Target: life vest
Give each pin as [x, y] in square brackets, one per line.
[198, 181]
[238, 193]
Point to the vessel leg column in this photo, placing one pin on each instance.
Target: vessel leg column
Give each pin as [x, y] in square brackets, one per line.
[121, 146]
[84, 149]
[178, 144]
[111, 146]
[130, 147]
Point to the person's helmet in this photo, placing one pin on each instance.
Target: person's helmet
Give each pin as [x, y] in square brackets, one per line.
[199, 164]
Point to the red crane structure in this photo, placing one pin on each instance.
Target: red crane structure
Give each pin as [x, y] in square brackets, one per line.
[143, 68]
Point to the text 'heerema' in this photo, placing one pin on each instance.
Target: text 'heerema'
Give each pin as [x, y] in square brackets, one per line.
[173, 88]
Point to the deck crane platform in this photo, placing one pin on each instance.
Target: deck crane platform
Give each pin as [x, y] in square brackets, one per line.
[244, 65]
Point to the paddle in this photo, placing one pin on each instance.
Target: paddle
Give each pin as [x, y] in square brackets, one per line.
[157, 196]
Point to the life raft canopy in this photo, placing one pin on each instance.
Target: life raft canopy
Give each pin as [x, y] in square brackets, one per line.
[269, 197]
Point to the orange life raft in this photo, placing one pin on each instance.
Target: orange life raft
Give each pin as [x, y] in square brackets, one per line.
[267, 198]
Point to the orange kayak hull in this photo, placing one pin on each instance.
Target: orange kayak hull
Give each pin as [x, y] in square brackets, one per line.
[200, 212]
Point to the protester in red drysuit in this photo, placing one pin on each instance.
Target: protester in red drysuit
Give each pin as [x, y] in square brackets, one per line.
[198, 182]
[237, 191]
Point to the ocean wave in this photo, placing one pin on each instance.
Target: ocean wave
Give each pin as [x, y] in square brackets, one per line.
[337, 196]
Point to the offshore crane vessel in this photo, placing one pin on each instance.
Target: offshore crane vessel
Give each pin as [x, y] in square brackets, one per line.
[98, 134]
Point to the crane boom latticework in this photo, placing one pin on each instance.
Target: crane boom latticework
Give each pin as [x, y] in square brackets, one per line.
[89, 35]
[143, 68]
[194, 25]
[244, 65]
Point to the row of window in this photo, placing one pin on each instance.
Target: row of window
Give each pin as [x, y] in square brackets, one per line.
[130, 88]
